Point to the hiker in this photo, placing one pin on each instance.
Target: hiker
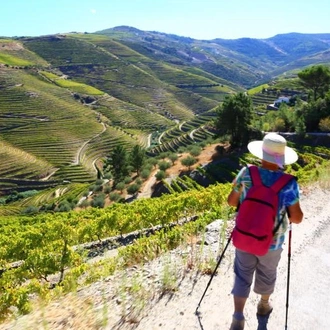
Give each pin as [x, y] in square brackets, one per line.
[274, 154]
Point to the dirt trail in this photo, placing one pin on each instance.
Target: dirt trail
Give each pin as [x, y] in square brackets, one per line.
[309, 303]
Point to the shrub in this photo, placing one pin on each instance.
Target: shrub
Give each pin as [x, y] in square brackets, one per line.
[160, 175]
[188, 161]
[164, 165]
[152, 161]
[107, 189]
[138, 181]
[64, 206]
[98, 201]
[148, 166]
[173, 157]
[145, 174]
[31, 210]
[182, 150]
[163, 155]
[99, 182]
[98, 188]
[127, 180]
[195, 151]
[133, 188]
[324, 124]
[120, 186]
[114, 196]
[85, 203]
[108, 176]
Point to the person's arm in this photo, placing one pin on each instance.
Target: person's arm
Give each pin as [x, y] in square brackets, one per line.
[233, 198]
[295, 213]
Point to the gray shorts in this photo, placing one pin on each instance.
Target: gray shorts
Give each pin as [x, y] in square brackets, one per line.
[263, 267]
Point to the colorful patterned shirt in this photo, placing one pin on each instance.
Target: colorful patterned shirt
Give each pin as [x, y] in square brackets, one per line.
[289, 195]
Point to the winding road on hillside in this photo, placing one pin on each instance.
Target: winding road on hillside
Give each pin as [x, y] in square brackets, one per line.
[82, 148]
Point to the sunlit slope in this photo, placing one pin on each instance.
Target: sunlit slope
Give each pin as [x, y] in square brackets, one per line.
[42, 119]
[129, 76]
[88, 63]
[191, 80]
[128, 115]
[16, 163]
[14, 54]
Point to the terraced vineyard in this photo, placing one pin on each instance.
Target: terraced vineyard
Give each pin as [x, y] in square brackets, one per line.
[42, 126]
[72, 98]
[13, 53]
[115, 68]
[101, 146]
[185, 134]
[263, 99]
[67, 100]
[128, 115]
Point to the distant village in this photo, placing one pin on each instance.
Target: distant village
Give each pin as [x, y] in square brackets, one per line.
[287, 96]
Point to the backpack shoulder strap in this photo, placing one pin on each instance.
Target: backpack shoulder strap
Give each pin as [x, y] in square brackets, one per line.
[255, 175]
[282, 181]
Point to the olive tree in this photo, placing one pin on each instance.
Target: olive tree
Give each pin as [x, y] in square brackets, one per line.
[234, 118]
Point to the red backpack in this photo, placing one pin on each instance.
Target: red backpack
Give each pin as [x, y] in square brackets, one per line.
[254, 229]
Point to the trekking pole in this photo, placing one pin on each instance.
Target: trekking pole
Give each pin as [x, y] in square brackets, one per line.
[288, 277]
[214, 272]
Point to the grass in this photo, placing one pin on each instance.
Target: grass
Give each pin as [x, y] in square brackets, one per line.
[257, 89]
[72, 85]
[13, 60]
[78, 87]
[324, 178]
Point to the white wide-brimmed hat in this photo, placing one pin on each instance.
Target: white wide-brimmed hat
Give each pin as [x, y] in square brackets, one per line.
[273, 149]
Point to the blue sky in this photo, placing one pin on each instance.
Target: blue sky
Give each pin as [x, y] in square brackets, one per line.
[202, 19]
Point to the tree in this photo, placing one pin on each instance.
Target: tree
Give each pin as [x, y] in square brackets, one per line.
[195, 150]
[188, 161]
[315, 111]
[137, 158]
[173, 157]
[316, 78]
[160, 175]
[118, 164]
[133, 188]
[299, 119]
[164, 165]
[234, 117]
[120, 186]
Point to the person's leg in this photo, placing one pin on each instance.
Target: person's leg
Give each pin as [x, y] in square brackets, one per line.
[244, 267]
[264, 306]
[264, 285]
[265, 278]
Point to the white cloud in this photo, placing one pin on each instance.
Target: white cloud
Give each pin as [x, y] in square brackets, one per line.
[93, 11]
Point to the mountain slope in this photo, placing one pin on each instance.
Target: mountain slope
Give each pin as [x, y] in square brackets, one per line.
[243, 61]
[69, 93]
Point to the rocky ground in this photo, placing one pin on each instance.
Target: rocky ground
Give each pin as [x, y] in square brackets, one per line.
[164, 294]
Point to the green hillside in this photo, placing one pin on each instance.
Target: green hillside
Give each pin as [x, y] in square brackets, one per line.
[128, 75]
[13, 53]
[72, 106]
[41, 121]
[67, 100]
